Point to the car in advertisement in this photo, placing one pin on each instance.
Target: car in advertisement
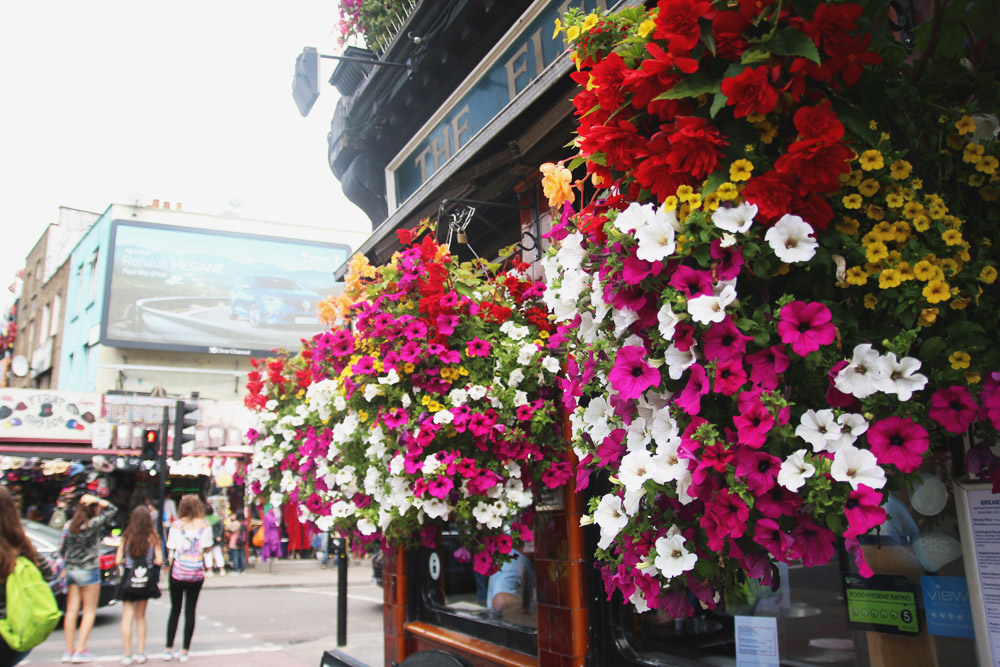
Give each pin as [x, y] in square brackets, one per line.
[264, 300]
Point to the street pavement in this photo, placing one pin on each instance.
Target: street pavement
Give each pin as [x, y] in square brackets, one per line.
[278, 614]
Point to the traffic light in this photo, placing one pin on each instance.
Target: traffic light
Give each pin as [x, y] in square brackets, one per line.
[151, 444]
[181, 422]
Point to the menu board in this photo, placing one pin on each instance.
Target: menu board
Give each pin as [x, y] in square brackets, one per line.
[979, 524]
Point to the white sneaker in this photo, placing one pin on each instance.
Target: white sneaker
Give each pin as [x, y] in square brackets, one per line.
[127, 660]
[140, 659]
[67, 656]
[184, 657]
[168, 655]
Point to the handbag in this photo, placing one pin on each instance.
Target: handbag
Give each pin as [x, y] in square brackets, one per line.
[258, 537]
[142, 580]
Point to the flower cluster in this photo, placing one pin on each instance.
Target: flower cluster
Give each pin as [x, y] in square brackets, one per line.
[437, 406]
[723, 366]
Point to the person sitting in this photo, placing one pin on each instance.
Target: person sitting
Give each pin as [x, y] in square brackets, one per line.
[510, 592]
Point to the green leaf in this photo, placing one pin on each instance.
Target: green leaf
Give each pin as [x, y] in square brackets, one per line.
[932, 348]
[715, 179]
[755, 54]
[699, 83]
[791, 42]
[717, 103]
[575, 162]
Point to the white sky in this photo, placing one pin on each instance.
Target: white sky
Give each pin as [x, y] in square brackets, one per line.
[185, 101]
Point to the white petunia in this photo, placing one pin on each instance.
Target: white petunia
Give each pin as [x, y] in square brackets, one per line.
[710, 308]
[736, 219]
[667, 321]
[551, 364]
[634, 218]
[678, 361]
[477, 391]
[818, 428]
[443, 417]
[623, 319]
[667, 466]
[520, 398]
[392, 377]
[571, 252]
[526, 353]
[637, 436]
[672, 559]
[436, 508]
[611, 517]
[664, 428]
[656, 239]
[635, 469]
[851, 427]
[899, 377]
[458, 397]
[795, 471]
[371, 391]
[791, 239]
[857, 466]
[516, 377]
[859, 378]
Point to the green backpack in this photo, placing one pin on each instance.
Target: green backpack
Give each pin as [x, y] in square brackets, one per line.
[32, 612]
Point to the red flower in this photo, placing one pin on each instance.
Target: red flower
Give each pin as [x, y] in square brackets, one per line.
[814, 165]
[620, 142]
[818, 122]
[850, 56]
[677, 23]
[750, 92]
[831, 24]
[405, 236]
[751, 9]
[656, 75]
[953, 408]
[608, 75]
[727, 30]
[771, 193]
[695, 147]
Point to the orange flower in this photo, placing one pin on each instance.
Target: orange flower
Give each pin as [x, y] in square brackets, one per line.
[557, 183]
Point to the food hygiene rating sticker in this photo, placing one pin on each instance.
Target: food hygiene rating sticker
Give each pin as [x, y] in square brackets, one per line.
[883, 603]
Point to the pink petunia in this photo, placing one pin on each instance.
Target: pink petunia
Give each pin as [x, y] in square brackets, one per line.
[758, 469]
[766, 365]
[753, 423]
[901, 442]
[415, 329]
[691, 281]
[395, 418]
[689, 400]
[728, 260]
[631, 375]
[806, 326]
[440, 486]
[778, 502]
[768, 534]
[477, 347]
[863, 511]
[953, 408]
[724, 342]
[446, 324]
[729, 377]
[813, 543]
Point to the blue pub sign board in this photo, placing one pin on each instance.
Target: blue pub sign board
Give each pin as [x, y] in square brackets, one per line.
[519, 58]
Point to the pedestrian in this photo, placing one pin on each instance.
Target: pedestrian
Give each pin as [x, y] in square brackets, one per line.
[237, 543]
[79, 547]
[189, 539]
[215, 560]
[272, 536]
[139, 548]
[13, 544]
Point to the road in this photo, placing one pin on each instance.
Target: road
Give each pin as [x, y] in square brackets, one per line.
[283, 618]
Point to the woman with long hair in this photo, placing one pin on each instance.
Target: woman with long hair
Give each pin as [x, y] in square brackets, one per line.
[13, 543]
[189, 539]
[79, 547]
[140, 546]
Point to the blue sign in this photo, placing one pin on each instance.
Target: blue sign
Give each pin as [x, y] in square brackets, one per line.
[946, 605]
[532, 50]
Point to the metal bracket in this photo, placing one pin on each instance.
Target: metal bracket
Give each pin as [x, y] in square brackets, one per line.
[461, 219]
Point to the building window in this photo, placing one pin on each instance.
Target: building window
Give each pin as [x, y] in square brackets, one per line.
[79, 289]
[38, 272]
[56, 314]
[31, 335]
[44, 332]
[93, 277]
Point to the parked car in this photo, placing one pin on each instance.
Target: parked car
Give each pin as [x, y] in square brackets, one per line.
[263, 300]
[46, 541]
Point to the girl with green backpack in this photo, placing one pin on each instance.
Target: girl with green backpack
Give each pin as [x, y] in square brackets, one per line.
[28, 610]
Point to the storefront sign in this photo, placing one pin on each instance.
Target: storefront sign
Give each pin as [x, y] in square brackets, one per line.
[946, 606]
[28, 415]
[979, 523]
[882, 603]
[757, 641]
[523, 53]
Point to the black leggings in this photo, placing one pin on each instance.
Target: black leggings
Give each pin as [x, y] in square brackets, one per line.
[178, 591]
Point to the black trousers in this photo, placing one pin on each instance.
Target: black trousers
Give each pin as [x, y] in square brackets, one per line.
[185, 592]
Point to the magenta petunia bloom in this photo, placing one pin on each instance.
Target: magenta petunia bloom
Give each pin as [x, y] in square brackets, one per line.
[729, 260]
[953, 408]
[631, 375]
[365, 365]
[691, 281]
[342, 343]
[724, 342]
[813, 543]
[635, 270]
[753, 423]
[766, 365]
[477, 347]
[758, 469]
[446, 324]
[415, 329]
[901, 442]
[689, 400]
[806, 326]
[395, 418]
[863, 510]
[769, 535]
[440, 486]
[483, 564]
[778, 502]
[729, 377]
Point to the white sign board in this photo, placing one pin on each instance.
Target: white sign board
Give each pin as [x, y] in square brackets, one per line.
[979, 524]
[757, 641]
[37, 415]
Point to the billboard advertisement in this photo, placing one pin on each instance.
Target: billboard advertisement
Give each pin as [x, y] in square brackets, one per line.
[187, 289]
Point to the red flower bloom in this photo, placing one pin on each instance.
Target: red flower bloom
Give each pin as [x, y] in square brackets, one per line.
[656, 75]
[677, 23]
[750, 92]
[620, 142]
[727, 30]
[814, 165]
[695, 147]
[901, 442]
[953, 408]
[831, 24]
[609, 76]
[818, 122]
[751, 9]
[772, 195]
[850, 57]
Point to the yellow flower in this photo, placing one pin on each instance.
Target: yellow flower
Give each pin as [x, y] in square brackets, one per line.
[425, 399]
[300, 393]
[589, 22]
[874, 212]
[921, 223]
[894, 200]
[905, 271]
[959, 360]
[559, 29]
[912, 209]
[557, 184]
[973, 153]
[434, 406]
[960, 304]
[727, 192]
[868, 187]
[884, 232]
[902, 231]
[988, 165]
[572, 33]
[955, 143]
[740, 170]
[988, 275]
[876, 252]
[848, 226]
[924, 270]
[408, 367]
[989, 193]
[685, 192]
[854, 178]
[973, 378]
[870, 301]
[965, 125]
[928, 316]
[937, 211]
[952, 222]
[889, 278]
[462, 371]
[363, 416]
[936, 291]
[711, 202]
[544, 335]
[917, 183]
[871, 160]
[646, 27]
[694, 201]
[670, 203]
[872, 125]
[852, 201]
[900, 170]
[767, 132]
[949, 266]
[952, 237]
[856, 276]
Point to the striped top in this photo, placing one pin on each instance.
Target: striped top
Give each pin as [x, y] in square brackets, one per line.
[187, 547]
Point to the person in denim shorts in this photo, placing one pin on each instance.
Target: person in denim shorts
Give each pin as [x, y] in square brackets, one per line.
[79, 547]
